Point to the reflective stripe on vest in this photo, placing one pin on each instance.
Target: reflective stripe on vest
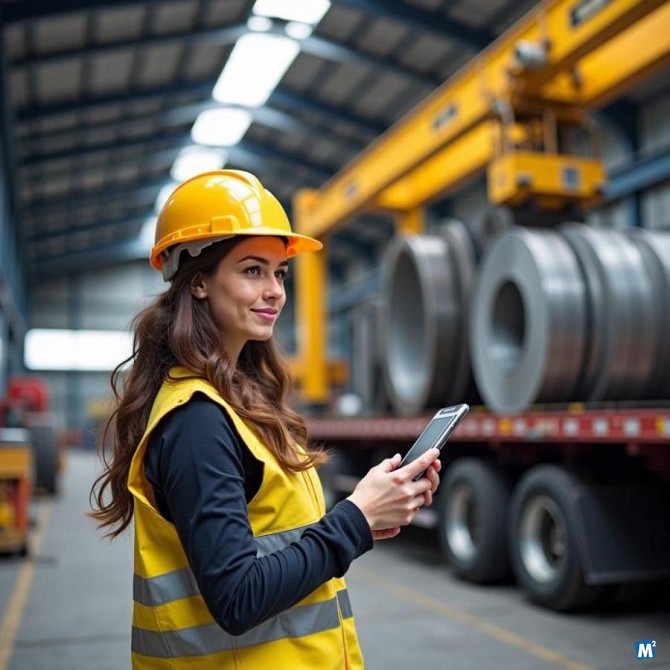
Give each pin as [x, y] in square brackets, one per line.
[181, 583]
[345, 604]
[172, 625]
[211, 639]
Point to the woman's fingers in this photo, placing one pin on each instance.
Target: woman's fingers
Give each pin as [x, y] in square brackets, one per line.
[390, 464]
[386, 533]
[421, 464]
[433, 476]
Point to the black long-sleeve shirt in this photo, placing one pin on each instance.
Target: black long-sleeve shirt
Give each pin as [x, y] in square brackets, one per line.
[203, 476]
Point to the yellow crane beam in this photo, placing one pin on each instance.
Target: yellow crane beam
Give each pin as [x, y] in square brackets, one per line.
[608, 72]
[561, 30]
[566, 56]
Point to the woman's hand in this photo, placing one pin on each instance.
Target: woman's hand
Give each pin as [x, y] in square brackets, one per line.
[432, 473]
[389, 498]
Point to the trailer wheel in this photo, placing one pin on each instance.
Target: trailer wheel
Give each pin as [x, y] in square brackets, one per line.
[472, 528]
[543, 544]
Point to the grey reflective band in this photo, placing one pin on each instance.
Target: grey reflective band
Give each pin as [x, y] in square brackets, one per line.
[345, 604]
[268, 544]
[211, 638]
[165, 588]
[181, 583]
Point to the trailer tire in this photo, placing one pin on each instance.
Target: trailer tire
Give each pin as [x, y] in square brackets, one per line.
[472, 520]
[544, 552]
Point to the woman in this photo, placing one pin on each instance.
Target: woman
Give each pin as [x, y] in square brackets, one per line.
[237, 565]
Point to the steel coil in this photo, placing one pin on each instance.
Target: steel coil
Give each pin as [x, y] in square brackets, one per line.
[655, 249]
[462, 257]
[620, 360]
[494, 222]
[527, 321]
[422, 329]
[366, 359]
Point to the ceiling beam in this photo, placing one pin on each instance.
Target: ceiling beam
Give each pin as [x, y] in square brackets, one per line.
[421, 19]
[96, 257]
[638, 175]
[131, 221]
[227, 35]
[314, 45]
[42, 207]
[366, 128]
[44, 111]
[171, 116]
[39, 9]
[159, 160]
[204, 88]
[332, 51]
[179, 139]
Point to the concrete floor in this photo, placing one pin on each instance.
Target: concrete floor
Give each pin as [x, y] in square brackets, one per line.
[68, 606]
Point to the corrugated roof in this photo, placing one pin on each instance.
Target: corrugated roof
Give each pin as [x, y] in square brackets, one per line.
[103, 96]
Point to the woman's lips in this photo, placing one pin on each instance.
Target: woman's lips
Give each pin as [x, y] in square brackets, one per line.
[269, 314]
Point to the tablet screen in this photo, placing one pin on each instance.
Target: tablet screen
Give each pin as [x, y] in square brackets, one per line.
[435, 434]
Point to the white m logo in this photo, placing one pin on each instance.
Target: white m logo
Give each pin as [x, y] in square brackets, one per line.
[645, 650]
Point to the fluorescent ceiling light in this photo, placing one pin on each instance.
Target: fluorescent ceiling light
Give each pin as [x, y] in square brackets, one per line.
[163, 195]
[304, 11]
[194, 160]
[298, 31]
[256, 64]
[220, 127]
[82, 350]
[259, 24]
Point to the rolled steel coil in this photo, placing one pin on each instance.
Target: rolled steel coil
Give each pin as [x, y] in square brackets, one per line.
[527, 321]
[422, 329]
[655, 249]
[494, 222]
[622, 320]
[463, 258]
[366, 358]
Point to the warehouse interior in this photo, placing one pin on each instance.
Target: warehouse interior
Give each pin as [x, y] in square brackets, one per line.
[491, 181]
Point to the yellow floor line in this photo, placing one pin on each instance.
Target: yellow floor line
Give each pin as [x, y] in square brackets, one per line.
[501, 634]
[10, 624]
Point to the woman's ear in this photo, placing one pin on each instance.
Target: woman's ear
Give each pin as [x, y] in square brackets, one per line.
[198, 287]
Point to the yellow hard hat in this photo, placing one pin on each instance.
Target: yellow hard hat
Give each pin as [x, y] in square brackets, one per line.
[216, 205]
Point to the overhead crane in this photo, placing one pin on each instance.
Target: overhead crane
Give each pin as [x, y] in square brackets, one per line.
[573, 500]
[508, 111]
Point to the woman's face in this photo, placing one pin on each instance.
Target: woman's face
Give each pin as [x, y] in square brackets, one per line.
[246, 293]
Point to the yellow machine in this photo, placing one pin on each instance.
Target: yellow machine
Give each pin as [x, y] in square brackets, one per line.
[511, 111]
[16, 468]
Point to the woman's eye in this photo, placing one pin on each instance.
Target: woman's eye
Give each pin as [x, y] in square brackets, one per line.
[253, 270]
[281, 275]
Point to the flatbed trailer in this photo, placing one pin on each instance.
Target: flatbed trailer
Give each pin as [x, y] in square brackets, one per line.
[573, 503]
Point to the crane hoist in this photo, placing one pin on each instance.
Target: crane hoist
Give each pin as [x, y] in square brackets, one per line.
[520, 110]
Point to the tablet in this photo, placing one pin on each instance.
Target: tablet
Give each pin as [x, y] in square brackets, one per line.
[436, 433]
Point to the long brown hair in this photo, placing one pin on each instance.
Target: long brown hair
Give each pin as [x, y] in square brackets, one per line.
[177, 330]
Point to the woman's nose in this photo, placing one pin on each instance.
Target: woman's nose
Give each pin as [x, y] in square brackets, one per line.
[274, 288]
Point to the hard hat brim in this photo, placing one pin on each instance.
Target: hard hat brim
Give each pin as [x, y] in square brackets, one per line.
[297, 244]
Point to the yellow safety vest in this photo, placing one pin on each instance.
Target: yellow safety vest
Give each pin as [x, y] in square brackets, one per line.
[172, 627]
